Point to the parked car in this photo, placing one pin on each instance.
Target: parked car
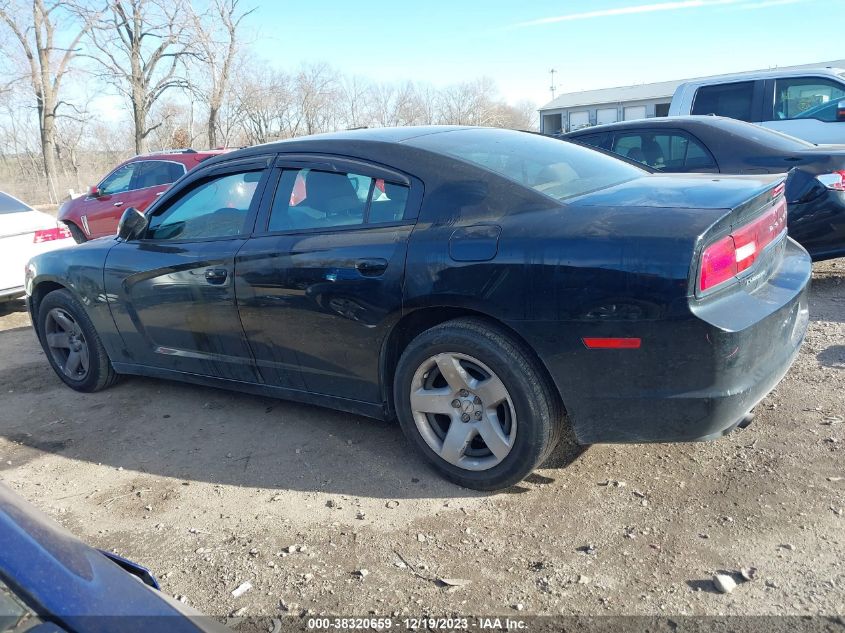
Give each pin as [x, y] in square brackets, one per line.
[24, 232]
[815, 188]
[475, 283]
[136, 183]
[51, 582]
[802, 103]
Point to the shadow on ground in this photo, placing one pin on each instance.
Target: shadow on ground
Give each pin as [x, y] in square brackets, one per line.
[194, 433]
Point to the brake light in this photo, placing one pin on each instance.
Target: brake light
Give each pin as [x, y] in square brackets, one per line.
[49, 235]
[835, 180]
[726, 258]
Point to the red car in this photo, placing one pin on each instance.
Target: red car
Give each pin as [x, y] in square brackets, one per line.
[136, 182]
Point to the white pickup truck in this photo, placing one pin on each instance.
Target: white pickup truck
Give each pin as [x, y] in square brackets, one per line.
[806, 103]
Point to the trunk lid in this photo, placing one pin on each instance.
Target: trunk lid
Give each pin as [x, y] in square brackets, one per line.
[705, 209]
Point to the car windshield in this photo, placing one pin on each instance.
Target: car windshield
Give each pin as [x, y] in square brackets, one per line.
[14, 614]
[558, 169]
[8, 204]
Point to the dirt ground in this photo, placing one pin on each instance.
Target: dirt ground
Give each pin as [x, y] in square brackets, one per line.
[212, 489]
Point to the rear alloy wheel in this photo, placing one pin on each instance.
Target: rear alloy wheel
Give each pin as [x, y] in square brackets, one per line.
[71, 343]
[463, 411]
[477, 404]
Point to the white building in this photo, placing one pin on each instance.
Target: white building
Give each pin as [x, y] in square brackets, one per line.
[574, 110]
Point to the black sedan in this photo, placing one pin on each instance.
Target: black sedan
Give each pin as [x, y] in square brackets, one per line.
[815, 188]
[491, 289]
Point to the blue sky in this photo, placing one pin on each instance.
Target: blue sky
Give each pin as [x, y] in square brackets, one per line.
[592, 44]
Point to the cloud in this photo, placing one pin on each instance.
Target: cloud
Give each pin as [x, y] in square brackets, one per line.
[766, 3]
[642, 8]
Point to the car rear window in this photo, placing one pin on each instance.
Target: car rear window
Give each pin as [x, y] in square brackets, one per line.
[8, 204]
[556, 168]
[765, 136]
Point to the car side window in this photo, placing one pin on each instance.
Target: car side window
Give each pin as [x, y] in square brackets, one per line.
[216, 208]
[119, 180]
[590, 139]
[154, 173]
[807, 97]
[731, 100]
[668, 151]
[313, 199]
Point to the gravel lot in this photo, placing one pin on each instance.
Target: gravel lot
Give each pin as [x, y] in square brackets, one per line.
[212, 489]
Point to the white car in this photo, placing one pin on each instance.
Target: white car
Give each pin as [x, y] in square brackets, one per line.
[24, 232]
[808, 103]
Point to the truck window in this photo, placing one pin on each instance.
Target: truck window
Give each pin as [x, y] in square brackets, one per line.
[731, 100]
[807, 98]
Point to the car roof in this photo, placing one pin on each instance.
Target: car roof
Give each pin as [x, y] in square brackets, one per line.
[331, 142]
[766, 74]
[659, 122]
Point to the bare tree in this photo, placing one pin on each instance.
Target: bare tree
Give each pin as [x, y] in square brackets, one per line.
[33, 24]
[217, 39]
[141, 46]
[317, 87]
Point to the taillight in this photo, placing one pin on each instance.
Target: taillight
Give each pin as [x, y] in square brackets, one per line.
[48, 235]
[726, 258]
[835, 180]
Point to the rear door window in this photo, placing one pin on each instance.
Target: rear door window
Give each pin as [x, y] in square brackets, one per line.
[154, 173]
[807, 98]
[313, 199]
[664, 151]
[732, 100]
[595, 140]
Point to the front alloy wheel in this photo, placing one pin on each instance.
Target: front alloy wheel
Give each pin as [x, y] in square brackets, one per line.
[72, 344]
[463, 411]
[67, 344]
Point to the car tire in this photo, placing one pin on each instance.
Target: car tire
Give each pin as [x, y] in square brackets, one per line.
[522, 413]
[72, 345]
[78, 236]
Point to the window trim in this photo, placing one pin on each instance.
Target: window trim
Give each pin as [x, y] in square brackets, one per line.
[666, 130]
[345, 165]
[202, 178]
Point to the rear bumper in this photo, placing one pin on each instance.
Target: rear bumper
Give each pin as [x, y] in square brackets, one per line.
[693, 378]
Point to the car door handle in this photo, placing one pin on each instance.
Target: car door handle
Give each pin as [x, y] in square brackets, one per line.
[118, 204]
[216, 276]
[371, 267]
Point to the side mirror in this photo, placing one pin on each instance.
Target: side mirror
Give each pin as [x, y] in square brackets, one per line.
[840, 111]
[94, 191]
[132, 225]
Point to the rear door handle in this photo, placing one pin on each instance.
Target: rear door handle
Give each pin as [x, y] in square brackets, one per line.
[371, 267]
[216, 276]
[118, 204]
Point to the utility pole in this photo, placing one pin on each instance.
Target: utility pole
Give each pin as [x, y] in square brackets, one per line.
[553, 86]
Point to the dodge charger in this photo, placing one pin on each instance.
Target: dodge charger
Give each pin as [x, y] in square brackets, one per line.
[492, 290]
